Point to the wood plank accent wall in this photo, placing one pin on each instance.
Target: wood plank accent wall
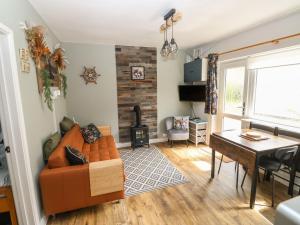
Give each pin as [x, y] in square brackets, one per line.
[130, 93]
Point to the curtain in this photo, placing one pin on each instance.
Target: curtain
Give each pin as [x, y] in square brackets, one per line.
[211, 85]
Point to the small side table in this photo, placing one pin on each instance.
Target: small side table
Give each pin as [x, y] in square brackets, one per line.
[7, 204]
[197, 130]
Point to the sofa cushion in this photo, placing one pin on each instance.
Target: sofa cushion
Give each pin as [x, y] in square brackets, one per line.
[58, 157]
[103, 149]
[50, 144]
[94, 130]
[65, 125]
[86, 151]
[74, 156]
[90, 133]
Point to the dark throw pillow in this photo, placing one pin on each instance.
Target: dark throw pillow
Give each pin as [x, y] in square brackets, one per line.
[50, 144]
[74, 156]
[90, 133]
[65, 125]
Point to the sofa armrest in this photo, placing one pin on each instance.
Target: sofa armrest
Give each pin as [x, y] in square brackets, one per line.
[106, 176]
[105, 130]
[63, 188]
[68, 188]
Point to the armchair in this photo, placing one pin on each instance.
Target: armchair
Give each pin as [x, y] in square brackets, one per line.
[180, 133]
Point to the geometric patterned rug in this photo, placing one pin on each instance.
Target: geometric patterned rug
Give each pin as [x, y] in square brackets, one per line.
[148, 169]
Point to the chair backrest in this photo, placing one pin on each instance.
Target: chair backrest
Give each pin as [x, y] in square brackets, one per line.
[286, 154]
[288, 133]
[280, 154]
[297, 161]
[169, 123]
[261, 127]
[296, 157]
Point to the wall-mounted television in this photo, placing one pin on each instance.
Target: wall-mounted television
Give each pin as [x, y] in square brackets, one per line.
[192, 93]
[195, 71]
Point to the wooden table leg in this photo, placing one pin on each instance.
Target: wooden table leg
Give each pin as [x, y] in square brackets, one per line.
[254, 183]
[213, 153]
[292, 181]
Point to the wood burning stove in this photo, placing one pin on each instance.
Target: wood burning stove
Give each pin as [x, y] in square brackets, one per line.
[139, 133]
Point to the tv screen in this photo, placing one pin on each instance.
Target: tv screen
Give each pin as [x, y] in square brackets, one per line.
[193, 71]
[192, 93]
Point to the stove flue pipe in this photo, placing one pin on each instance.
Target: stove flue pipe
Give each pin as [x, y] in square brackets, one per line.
[138, 115]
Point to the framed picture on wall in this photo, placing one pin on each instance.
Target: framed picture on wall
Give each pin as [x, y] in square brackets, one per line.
[137, 73]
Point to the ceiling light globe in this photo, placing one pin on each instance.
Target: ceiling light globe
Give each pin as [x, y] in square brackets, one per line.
[165, 50]
[173, 46]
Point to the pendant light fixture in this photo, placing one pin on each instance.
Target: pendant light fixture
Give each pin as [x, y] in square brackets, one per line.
[165, 50]
[173, 44]
[172, 47]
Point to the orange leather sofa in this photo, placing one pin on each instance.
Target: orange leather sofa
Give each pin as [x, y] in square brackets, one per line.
[64, 187]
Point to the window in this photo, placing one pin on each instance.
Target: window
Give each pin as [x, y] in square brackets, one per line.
[265, 87]
[277, 95]
[234, 90]
[231, 124]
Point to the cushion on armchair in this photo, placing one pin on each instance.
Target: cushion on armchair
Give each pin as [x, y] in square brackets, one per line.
[181, 122]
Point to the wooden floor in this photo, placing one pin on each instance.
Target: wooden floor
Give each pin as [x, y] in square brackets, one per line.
[201, 201]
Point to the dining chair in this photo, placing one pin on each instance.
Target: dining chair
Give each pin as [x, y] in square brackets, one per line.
[258, 126]
[294, 166]
[236, 169]
[298, 170]
[273, 164]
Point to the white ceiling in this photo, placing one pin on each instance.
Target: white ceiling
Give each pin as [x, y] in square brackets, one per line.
[137, 22]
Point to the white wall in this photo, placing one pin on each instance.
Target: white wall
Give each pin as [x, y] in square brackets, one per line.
[278, 28]
[169, 76]
[92, 103]
[98, 103]
[39, 121]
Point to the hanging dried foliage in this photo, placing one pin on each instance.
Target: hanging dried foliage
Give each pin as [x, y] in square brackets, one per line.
[37, 45]
[49, 66]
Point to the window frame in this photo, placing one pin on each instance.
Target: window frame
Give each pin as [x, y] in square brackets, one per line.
[250, 90]
[253, 73]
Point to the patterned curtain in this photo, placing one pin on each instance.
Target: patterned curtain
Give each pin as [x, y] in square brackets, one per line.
[211, 85]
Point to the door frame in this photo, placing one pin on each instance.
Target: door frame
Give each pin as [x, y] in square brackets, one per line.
[14, 132]
[223, 66]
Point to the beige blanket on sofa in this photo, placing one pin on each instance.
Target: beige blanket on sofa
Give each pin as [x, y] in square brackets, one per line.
[106, 176]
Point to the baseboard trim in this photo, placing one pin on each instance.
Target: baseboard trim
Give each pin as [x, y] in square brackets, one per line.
[152, 141]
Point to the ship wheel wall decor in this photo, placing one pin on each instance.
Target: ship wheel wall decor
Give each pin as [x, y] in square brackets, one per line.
[90, 75]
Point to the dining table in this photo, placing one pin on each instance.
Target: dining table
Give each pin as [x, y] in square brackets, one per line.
[246, 151]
